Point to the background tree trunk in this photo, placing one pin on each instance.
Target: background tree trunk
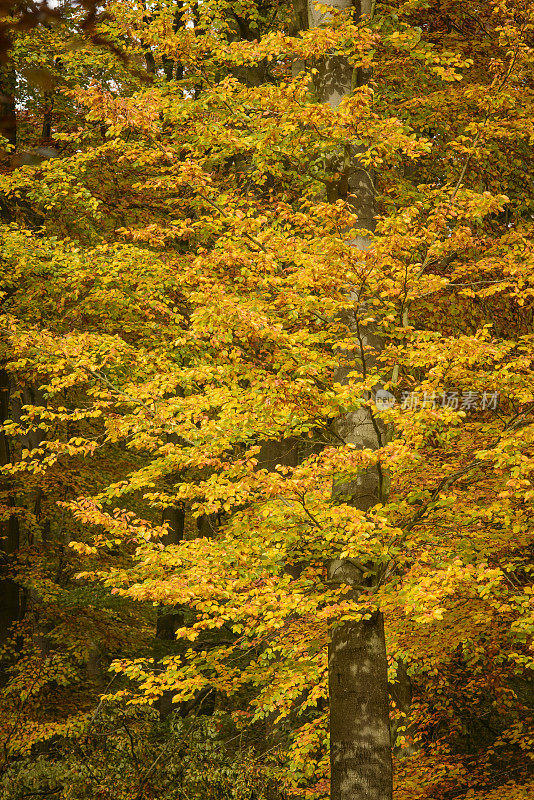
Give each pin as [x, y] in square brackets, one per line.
[8, 114]
[10, 599]
[170, 618]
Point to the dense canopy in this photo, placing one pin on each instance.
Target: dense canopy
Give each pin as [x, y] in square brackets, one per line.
[266, 395]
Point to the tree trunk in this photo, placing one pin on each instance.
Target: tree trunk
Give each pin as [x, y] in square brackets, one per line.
[8, 120]
[174, 70]
[10, 600]
[169, 619]
[8, 114]
[360, 740]
[48, 107]
[360, 746]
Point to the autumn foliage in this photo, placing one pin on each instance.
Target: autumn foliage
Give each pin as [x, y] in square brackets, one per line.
[176, 281]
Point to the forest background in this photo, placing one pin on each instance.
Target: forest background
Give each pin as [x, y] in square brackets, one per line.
[266, 400]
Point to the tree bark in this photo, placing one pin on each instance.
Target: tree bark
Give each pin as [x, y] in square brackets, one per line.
[48, 108]
[360, 746]
[8, 113]
[10, 596]
[8, 119]
[360, 739]
[174, 70]
[169, 619]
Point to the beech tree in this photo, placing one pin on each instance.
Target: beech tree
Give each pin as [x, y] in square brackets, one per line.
[281, 293]
[360, 740]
